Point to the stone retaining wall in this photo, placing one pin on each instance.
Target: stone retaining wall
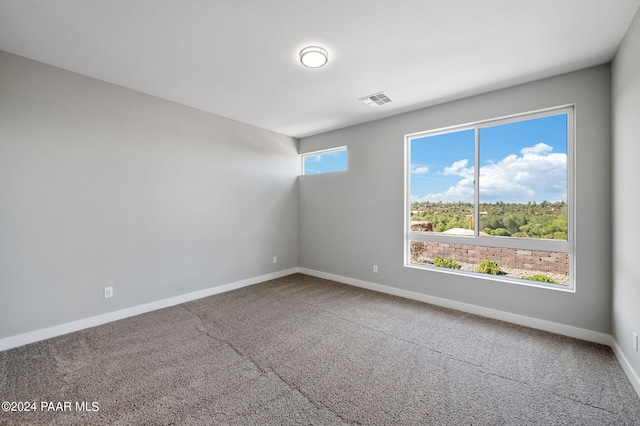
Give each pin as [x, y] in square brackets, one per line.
[534, 260]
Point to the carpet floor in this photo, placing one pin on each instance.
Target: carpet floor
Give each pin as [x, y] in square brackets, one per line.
[302, 350]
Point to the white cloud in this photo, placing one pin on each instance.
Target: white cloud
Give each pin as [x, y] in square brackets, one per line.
[323, 155]
[540, 148]
[457, 168]
[315, 158]
[537, 175]
[417, 169]
[462, 191]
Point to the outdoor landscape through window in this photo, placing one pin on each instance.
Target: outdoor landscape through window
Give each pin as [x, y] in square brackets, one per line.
[325, 161]
[493, 198]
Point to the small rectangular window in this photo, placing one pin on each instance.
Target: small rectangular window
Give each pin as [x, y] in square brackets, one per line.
[326, 161]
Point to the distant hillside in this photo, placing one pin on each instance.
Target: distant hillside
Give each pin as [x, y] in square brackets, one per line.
[531, 220]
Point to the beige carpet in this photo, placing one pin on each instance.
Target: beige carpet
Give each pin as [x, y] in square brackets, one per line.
[301, 350]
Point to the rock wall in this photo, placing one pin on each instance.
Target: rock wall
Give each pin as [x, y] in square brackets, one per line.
[535, 260]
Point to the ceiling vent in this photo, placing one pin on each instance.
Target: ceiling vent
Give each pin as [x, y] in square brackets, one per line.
[375, 100]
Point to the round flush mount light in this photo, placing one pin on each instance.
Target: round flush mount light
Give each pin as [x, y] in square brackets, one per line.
[313, 57]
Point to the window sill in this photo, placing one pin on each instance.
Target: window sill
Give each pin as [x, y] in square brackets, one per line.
[510, 280]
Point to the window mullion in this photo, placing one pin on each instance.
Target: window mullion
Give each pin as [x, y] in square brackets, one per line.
[476, 183]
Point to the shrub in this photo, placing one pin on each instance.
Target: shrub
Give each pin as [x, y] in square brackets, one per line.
[446, 263]
[540, 277]
[500, 232]
[488, 266]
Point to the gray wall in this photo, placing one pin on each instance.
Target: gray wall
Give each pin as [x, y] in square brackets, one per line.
[354, 219]
[626, 200]
[101, 185]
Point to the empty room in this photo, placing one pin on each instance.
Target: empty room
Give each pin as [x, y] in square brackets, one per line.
[419, 212]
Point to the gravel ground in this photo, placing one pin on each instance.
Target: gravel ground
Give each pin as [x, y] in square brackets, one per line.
[505, 272]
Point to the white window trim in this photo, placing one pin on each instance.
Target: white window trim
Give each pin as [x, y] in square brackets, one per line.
[320, 152]
[567, 246]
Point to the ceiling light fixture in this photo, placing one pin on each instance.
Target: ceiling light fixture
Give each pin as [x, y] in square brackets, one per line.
[313, 57]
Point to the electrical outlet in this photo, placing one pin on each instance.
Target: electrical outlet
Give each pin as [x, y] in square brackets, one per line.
[635, 341]
[275, 259]
[108, 292]
[375, 269]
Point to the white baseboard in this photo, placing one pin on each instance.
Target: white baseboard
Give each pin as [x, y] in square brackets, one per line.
[59, 330]
[565, 330]
[626, 366]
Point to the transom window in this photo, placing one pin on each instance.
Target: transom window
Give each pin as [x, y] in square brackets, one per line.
[325, 161]
[494, 199]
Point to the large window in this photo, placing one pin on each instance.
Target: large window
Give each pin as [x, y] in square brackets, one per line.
[494, 198]
[325, 161]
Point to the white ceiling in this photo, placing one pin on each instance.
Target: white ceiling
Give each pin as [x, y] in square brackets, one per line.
[239, 58]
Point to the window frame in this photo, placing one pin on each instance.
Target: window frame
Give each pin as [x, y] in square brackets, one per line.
[561, 246]
[321, 152]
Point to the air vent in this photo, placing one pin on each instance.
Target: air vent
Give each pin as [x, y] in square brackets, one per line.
[375, 100]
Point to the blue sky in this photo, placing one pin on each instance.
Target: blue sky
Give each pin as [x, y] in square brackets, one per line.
[325, 162]
[519, 162]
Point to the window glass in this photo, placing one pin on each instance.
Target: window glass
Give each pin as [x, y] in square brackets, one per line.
[493, 198]
[334, 160]
[523, 178]
[442, 174]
